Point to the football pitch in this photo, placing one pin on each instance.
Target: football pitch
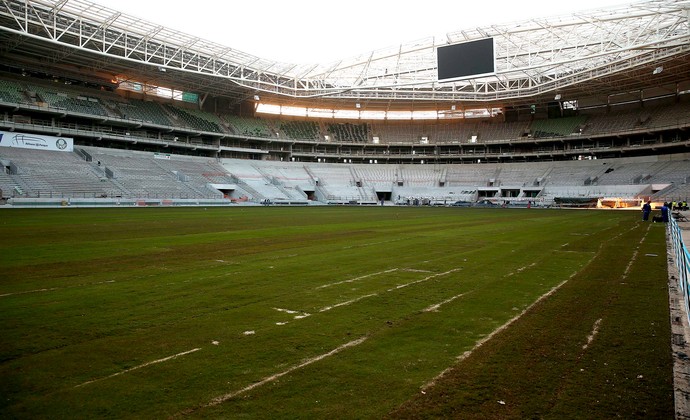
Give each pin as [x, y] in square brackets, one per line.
[333, 312]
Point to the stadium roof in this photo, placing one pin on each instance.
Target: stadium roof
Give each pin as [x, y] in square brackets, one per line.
[615, 54]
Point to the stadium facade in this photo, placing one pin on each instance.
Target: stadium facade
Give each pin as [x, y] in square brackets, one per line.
[587, 106]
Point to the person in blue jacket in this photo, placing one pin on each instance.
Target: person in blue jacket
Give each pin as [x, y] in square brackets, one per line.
[664, 212]
[646, 209]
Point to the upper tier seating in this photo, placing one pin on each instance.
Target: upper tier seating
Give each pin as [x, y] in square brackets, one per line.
[195, 119]
[252, 127]
[146, 111]
[10, 91]
[558, 127]
[300, 130]
[61, 99]
[348, 132]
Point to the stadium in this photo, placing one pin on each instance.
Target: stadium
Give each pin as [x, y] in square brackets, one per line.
[199, 182]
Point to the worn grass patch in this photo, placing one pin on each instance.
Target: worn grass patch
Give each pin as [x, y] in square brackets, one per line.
[332, 312]
[598, 348]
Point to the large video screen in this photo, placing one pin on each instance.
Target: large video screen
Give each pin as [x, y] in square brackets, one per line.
[466, 60]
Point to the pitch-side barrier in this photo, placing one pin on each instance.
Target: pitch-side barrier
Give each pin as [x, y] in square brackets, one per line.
[682, 261]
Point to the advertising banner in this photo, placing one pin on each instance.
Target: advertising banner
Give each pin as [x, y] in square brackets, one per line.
[36, 141]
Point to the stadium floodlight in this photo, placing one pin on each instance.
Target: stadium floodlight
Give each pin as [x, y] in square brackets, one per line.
[257, 98]
[658, 70]
[557, 97]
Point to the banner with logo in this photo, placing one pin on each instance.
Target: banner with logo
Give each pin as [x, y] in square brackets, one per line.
[36, 141]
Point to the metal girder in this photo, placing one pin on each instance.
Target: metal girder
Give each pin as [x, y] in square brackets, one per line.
[533, 57]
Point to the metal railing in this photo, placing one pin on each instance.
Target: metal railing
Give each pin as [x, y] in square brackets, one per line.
[682, 261]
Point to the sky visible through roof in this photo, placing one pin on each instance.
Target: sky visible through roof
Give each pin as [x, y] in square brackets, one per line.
[316, 31]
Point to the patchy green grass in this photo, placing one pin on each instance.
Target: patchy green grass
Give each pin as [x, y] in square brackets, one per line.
[332, 312]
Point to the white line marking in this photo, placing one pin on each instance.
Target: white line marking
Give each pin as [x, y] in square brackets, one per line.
[288, 311]
[358, 278]
[371, 243]
[52, 289]
[349, 302]
[521, 269]
[165, 359]
[634, 255]
[595, 330]
[434, 308]
[629, 266]
[400, 286]
[280, 257]
[31, 291]
[291, 312]
[232, 273]
[223, 398]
